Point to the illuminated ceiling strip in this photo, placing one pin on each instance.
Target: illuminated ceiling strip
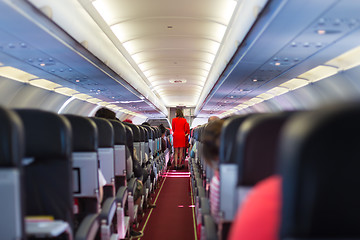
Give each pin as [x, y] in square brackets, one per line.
[24, 77]
[170, 36]
[206, 20]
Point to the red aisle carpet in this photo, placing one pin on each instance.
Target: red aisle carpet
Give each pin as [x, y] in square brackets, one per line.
[173, 216]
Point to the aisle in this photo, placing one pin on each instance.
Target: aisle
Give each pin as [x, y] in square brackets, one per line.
[173, 216]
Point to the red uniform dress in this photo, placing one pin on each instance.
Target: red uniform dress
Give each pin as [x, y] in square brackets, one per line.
[179, 129]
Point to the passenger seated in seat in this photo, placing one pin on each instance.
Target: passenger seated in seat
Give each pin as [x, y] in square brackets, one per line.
[163, 138]
[211, 144]
[105, 113]
[259, 215]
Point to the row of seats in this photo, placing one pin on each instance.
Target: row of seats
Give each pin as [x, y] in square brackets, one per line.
[51, 166]
[315, 153]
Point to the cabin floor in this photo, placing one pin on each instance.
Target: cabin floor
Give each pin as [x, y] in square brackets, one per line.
[174, 215]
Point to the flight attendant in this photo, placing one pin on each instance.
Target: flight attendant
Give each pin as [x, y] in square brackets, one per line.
[179, 125]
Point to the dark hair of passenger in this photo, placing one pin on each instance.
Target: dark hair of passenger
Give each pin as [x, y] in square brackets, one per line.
[162, 128]
[211, 141]
[145, 124]
[179, 113]
[105, 113]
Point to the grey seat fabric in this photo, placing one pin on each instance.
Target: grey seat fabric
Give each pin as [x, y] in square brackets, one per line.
[119, 153]
[11, 178]
[319, 156]
[85, 164]
[228, 167]
[48, 178]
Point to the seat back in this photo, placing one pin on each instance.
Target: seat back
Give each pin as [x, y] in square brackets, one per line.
[319, 157]
[136, 140]
[253, 164]
[147, 135]
[85, 156]
[150, 139]
[48, 177]
[120, 153]
[106, 149]
[228, 168]
[11, 179]
[129, 152]
[142, 143]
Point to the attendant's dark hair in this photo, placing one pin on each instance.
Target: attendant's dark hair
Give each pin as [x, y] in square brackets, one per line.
[179, 113]
[105, 113]
[211, 140]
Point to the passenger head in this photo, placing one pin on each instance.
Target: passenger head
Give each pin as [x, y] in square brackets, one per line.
[179, 113]
[145, 124]
[211, 142]
[162, 129]
[105, 113]
[213, 118]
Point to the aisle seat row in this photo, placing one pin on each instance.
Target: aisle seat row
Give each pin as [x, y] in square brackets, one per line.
[50, 166]
[316, 154]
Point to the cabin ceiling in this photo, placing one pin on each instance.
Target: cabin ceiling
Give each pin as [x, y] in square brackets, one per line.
[173, 43]
[148, 55]
[288, 39]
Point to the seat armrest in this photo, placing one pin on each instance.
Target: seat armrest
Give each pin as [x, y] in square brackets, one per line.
[132, 185]
[88, 228]
[210, 228]
[108, 210]
[121, 195]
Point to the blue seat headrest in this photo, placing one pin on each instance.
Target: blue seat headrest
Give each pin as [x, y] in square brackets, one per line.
[105, 132]
[11, 139]
[84, 132]
[47, 134]
[120, 132]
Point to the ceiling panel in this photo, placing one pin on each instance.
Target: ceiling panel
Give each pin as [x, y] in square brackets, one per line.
[170, 40]
[287, 40]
